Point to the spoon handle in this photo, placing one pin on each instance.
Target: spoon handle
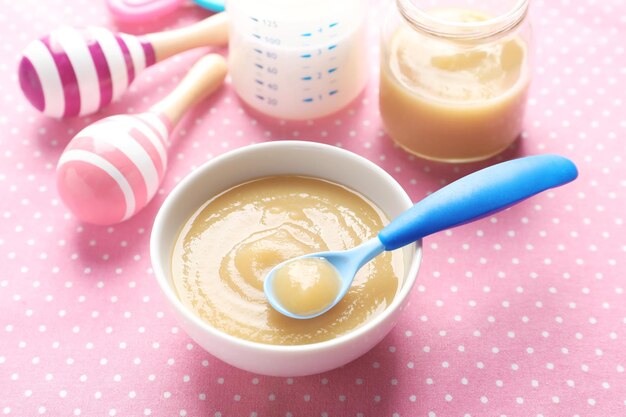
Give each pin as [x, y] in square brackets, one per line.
[478, 195]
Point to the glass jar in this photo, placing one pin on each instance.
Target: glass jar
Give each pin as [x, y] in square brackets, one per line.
[297, 59]
[454, 76]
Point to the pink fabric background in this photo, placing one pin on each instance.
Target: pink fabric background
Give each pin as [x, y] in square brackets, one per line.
[522, 314]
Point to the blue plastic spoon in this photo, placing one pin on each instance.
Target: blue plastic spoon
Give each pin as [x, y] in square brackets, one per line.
[470, 198]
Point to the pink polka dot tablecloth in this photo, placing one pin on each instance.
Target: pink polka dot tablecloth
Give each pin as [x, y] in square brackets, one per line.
[520, 314]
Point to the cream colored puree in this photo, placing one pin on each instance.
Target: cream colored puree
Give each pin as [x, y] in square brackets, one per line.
[306, 286]
[227, 247]
[450, 101]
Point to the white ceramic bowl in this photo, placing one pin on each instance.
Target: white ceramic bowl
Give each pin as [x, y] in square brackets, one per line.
[267, 159]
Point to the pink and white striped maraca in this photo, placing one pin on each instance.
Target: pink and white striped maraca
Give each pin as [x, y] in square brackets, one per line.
[112, 168]
[75, 72]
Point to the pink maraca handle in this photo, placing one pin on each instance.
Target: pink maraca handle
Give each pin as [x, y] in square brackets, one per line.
[132, 11]
[204, 77]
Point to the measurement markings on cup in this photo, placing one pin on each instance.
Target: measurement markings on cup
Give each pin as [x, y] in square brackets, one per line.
[293, 66]
[263, 60]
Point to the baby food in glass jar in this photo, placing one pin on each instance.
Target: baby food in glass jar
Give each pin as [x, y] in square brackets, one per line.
[455, 76]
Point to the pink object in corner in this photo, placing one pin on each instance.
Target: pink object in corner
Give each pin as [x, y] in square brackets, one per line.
[141, 10]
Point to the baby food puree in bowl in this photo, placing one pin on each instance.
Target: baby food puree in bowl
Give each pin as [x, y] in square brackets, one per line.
[230, 221]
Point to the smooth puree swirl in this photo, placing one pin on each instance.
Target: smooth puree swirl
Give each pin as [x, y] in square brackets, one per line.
[227, 247]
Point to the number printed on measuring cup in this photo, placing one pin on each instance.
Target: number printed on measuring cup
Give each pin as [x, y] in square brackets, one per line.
[270, 23]
[296, 61]
[272, 40]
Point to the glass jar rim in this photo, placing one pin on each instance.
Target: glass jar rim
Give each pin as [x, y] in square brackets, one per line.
[488, 28]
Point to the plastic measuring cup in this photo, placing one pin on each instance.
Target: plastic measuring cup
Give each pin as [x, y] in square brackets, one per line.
[297, 60]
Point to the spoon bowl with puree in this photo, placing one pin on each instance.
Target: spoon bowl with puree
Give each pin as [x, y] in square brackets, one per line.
[310, 285]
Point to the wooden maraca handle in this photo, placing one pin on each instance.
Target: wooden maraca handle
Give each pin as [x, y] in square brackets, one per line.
[204, 77]
[212, 31]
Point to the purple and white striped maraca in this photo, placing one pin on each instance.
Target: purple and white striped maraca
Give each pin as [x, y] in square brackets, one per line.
[112, 168]
[75, 72]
